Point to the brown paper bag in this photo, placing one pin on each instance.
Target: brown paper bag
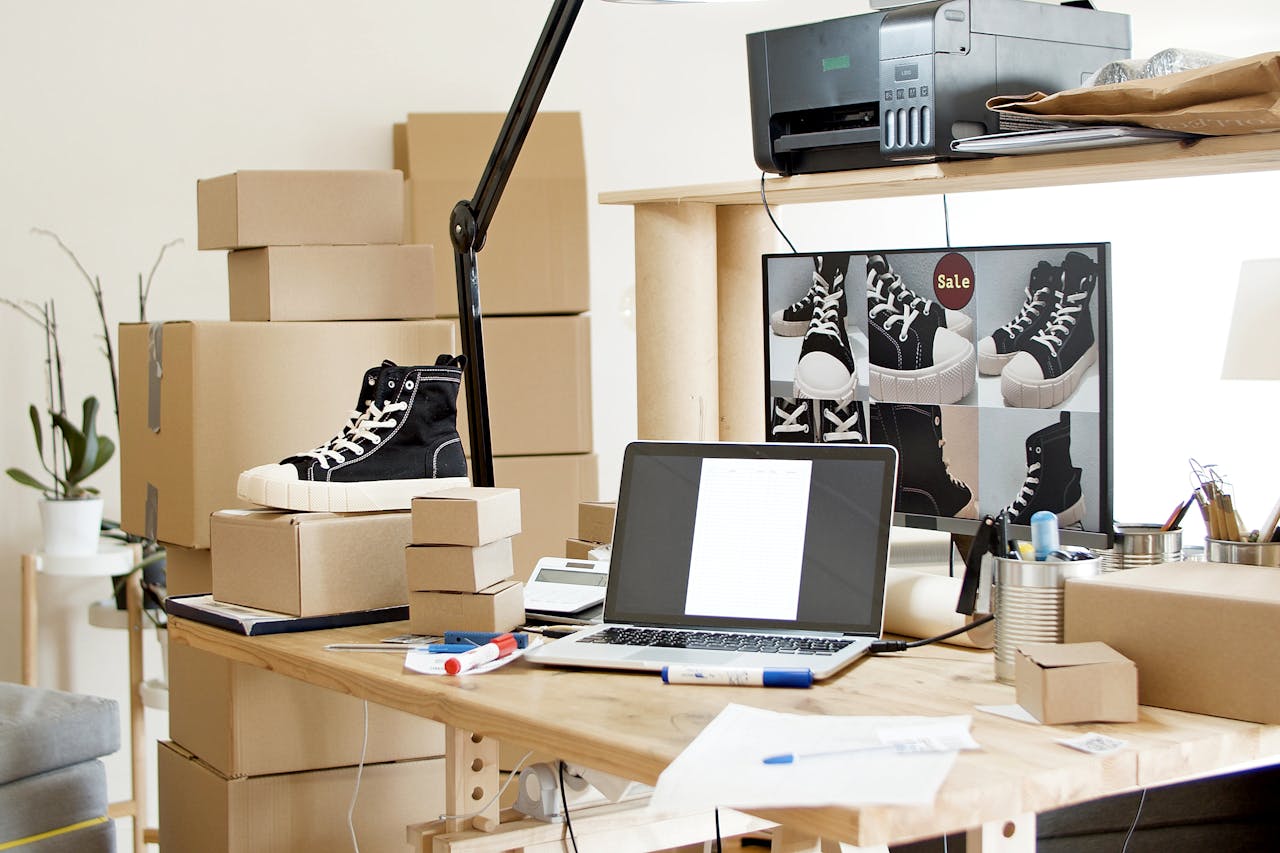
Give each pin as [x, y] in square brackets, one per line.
[1228, 98]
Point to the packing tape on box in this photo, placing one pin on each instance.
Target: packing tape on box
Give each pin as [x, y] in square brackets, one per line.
[921, 604]
[152, 517]
[155, 349]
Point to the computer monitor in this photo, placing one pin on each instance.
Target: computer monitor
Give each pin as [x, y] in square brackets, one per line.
[987, 367]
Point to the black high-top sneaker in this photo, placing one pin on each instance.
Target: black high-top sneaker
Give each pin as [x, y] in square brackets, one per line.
[957, 321]
[995, 350]
[925, 485]
[837, 423]
[826, 369]
[913, 358]
[1051, 363]
[1052, 482]
[791, 420]
[403, 444]
[793, 321]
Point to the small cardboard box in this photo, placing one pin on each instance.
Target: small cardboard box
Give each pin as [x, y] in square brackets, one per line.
[203, 811]
[245, 210]
[187, 571]
[595, 521]
[1076, 683]
[498, 608]
[579, 549]
[539, 382]
[535, 255]
[458, 568]
[247, 721]
[309, 563]
[551, 487]
[1205, 636]
[201, 402]
[300, 283]
[467, 515]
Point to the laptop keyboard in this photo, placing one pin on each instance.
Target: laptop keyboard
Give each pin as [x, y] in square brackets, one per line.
[675, 639]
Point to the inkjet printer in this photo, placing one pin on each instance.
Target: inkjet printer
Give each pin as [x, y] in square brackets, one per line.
[899, 85]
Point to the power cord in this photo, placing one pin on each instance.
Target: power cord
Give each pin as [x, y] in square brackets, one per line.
[719, 847]
[1134, 825]
[882, 646]
[515, 773]
[564, 804]
[351, 809]
[765, 202]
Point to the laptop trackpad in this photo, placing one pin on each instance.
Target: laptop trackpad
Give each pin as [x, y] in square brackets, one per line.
[677, 656]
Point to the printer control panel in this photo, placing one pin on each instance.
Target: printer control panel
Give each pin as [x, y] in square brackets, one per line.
[906, 106]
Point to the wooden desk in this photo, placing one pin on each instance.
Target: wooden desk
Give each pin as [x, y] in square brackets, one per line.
[632, 725]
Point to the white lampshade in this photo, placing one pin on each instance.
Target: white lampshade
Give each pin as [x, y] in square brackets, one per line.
[1253, 346]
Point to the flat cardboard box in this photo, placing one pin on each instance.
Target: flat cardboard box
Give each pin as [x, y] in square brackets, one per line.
[538, 372]
[498, 608]
[595, 521]
[466, 515]
[309, 563]
[188, 571]
[310, 283]
[551, 487]
[534, 260]
[248, 209]
[246, 721]
[458, 568]
[1205, 636]
[229, 396]
[203, 811]
[1061, 683]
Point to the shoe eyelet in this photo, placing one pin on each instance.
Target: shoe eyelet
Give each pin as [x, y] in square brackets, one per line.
[408, 384]
[372, 381]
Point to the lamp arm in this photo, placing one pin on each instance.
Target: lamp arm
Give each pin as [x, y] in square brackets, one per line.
[469, 224]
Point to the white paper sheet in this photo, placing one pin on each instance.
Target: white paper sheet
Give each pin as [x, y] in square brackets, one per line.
[724, 764]
[429, 663]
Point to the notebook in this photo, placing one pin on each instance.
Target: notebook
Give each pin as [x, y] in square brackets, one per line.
[750, 555]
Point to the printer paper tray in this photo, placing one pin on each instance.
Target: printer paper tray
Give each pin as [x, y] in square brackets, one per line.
[826, 139]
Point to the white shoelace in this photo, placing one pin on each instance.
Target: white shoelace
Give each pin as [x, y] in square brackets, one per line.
[845, 428]
[885, 304]
[360, 428]
[826, 314]
[790, 420]
[1030, 304]
[1024, 495]
[1064, 317]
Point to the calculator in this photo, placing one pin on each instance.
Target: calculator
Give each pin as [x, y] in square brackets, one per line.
[562, 585]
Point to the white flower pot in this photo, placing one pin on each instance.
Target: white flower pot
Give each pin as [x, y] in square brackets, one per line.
[71, 527]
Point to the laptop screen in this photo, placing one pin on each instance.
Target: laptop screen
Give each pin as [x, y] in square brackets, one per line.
[791, 536]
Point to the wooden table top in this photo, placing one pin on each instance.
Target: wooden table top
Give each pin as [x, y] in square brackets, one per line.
[633, 725]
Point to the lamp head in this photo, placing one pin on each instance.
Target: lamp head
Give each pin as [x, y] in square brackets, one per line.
[1253, 344]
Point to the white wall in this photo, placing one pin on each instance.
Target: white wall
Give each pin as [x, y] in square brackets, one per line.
[112, 111]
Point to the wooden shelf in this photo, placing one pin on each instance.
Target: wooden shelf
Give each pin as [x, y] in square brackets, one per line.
[1217, 155]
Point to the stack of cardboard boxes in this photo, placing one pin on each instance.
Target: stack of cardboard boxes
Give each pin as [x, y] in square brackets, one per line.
[595, 531]
[533, 293]
[203, 401]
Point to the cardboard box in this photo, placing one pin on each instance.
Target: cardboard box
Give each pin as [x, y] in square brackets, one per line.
[468, 515]
[245, 210]
[331, 283]
[498, 608]
[309, 563]
[595, 521]
[539, 383]
[1205, 636]
[535, 257]
[458, 568]
[229, 396]
[579, 549]
[247, 721]
[1076, 683]
[203, 811]
[188, 571]
[551, 487]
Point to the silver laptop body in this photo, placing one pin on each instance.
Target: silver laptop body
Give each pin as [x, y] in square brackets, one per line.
[743, 555]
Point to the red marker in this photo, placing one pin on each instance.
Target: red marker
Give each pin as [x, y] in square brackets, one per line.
[499, 647]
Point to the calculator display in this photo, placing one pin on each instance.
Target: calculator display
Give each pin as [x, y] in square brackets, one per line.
[579, 578]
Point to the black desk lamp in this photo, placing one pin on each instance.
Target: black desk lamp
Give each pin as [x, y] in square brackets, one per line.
[469, 222]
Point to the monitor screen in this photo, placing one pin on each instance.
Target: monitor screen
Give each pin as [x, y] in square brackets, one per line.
[987, 368]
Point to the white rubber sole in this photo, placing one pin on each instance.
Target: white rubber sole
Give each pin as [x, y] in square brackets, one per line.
[840, 391]
[993, 365]
[787, 328]
[1072, 514]
[1023, 393]
[259, 487]
[942, 384]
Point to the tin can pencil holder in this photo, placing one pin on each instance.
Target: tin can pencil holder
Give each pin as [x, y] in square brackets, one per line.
[1142, 545]
[1029, 595]
[1245, 553]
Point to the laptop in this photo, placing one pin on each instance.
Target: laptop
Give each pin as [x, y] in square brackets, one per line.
[742, 555]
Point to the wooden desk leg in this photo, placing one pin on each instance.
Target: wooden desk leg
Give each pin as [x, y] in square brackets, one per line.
[743, 234]
[471, 778]
[1017, 835]
[137, 716]
[30, 631]
[676, 353]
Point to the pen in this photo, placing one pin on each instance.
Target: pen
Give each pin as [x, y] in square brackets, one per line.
[498, 647]
[737, 676]
[904, 747]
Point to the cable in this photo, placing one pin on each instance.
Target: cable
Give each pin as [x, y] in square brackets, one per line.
[719, 847]
[946, 220]
[515, 772]
[765, 202]
[1134, 825]
[564, 804]
[882, 646]
[351, 810]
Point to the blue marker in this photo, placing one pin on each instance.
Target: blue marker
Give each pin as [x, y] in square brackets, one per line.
[738, 676]
[1044, 533]
[448, 648]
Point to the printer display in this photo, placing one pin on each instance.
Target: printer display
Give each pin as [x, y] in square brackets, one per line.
[899, 85]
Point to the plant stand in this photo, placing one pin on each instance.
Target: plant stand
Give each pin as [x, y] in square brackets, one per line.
[110, 560]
